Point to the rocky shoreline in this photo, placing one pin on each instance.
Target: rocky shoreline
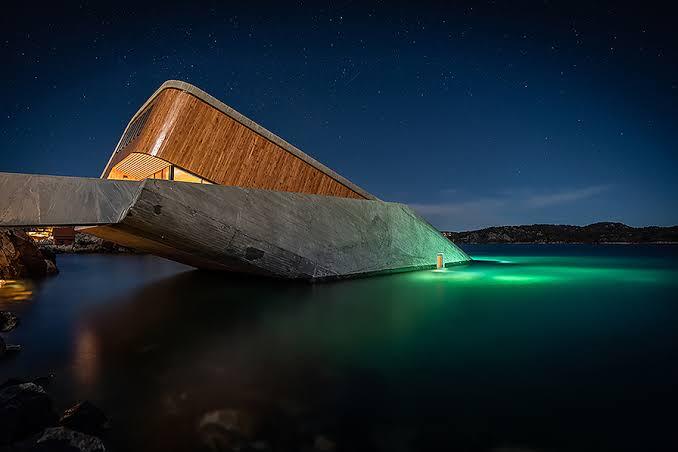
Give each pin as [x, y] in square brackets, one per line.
[29, 423]
[8, 321]
[83, 244]
[20, 257]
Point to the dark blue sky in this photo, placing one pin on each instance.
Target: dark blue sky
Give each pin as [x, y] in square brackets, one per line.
[477, 114]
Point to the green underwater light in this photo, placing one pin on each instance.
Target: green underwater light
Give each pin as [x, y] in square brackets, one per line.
[539, 270]
[524, 279]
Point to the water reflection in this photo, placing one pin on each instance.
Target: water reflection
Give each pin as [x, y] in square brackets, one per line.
[85, 357]
[15, 290]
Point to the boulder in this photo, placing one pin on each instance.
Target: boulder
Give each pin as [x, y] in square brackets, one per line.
[12, 381]
[21, 258]
[7, 348]
[12, 348]
[85, 418]
[40, 381]
[61, 439]
[227, 429]
[8, 321]
[25, 409]
[323, 444]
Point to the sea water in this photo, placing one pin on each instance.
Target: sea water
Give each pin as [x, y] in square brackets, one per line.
[528, 347]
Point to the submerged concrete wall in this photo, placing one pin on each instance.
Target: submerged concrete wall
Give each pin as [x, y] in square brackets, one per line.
[281, 234]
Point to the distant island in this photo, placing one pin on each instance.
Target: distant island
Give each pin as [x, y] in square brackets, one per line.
[606, 232]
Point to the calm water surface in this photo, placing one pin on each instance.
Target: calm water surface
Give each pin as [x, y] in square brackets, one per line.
[533, 347]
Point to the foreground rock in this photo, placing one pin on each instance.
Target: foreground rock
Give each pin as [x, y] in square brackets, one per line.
[227, 430]
[85, 418]
[21, 258]
[7, 348]
[40, 381]
[25, 410]
[61, 439]
[8, 321]
[323, 444]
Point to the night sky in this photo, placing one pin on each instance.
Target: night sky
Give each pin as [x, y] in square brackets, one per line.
[477, 114]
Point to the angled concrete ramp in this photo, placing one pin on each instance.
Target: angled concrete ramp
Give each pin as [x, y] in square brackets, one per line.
[36, 200]
[272, 233]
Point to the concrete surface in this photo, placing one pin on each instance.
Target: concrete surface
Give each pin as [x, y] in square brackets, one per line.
[35, 200]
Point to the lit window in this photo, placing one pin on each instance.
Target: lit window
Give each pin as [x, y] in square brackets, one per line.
[162, 174]
[184, 176]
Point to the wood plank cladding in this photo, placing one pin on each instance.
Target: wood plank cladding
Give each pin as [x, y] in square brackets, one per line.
[138, 166]
[189, 132]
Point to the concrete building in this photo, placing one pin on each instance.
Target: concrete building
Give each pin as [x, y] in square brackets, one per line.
[195, 181]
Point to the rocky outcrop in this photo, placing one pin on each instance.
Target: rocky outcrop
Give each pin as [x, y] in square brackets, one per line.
[28, 421]
[554, 233]
[25, 409]
[243, 430]
[85, 418]
[21, 258]
[227, 430]
[84, 244]
[8, 321]
[61, 439]
[7, 348]
[323, 444]
[39, 381]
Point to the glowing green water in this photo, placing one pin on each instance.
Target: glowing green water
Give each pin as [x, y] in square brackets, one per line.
[553, 270]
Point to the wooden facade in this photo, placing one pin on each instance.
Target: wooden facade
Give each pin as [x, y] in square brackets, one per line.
[184, 126]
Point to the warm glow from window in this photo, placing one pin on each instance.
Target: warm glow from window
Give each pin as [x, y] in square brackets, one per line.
[184, 176]
[138, 166]
[40, 233]
[162, 174]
